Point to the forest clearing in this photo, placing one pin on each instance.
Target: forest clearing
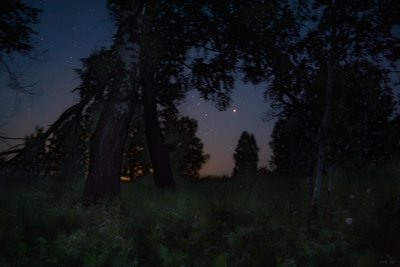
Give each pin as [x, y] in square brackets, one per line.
[199, 133]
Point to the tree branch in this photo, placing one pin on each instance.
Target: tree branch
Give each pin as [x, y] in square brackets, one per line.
[11, 138]
[12, 151]
[14, 83]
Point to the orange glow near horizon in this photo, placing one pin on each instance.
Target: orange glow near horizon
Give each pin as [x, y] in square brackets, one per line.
[125, 178]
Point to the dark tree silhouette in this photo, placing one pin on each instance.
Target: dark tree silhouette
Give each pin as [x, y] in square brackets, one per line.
[16, 35]
[70, 133]
[246, 155]
[159, 46]
[187, 149]
[316, 40]
[16, 32]
[108, 140]
[157, 148]
[346, 33]
[293, 143]
[361, 134]
[168, 70]
[15, 26]
[154, 49]
[30, 152]
[361, 118]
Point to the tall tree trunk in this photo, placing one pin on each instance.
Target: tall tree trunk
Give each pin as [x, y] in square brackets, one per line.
[323, 136]
[106, 149]
[158, 150]
[326, 119]
[149, 62]
[109, 137]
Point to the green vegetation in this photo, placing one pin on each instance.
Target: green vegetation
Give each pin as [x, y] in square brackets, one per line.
[245, 221]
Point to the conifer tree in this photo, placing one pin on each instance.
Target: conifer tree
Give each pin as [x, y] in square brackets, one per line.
[246, 155]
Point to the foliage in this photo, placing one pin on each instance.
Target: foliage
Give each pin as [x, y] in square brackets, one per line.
[177, 41]
[232, 222]
[97, 74]
[187, 149]
[362, 117]
[356, 42]
[293, 144]
[16, 19]
[246, 155]
[63, 145]
[17, 29]
[362, 121]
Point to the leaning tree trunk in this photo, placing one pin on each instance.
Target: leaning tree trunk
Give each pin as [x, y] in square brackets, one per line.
[106, 149]
[158, 150]
[108, 140]
[323, 136]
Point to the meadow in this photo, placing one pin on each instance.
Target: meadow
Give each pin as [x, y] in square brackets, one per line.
[245, 221]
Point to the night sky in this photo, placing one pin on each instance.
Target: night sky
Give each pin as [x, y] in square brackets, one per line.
[70, 30]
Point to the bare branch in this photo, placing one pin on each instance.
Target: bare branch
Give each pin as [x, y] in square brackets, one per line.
[14, 82]
[11, 138]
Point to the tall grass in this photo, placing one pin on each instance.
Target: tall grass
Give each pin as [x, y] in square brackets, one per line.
[246, 221]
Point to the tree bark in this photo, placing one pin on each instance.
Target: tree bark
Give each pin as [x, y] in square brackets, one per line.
[332, 63]
[108, 140]
[158, 150]
[106, 150]
[323, 136]
[149, 62]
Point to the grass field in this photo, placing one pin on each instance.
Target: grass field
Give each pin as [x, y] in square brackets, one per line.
[247, 221]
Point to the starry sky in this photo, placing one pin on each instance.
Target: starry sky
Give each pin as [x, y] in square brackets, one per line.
[70, 30]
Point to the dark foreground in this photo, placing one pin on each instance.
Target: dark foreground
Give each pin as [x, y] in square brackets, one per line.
[248, 221]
